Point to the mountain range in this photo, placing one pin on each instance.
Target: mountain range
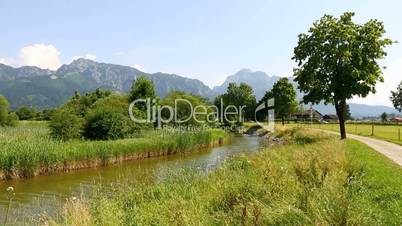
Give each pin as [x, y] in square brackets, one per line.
[41, 88]
[32, 86]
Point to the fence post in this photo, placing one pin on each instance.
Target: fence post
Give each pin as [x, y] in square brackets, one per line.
[372, 129]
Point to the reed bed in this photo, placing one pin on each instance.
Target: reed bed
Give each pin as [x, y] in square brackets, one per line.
[27, 150]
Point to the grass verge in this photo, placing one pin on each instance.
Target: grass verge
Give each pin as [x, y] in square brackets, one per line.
[313, 180]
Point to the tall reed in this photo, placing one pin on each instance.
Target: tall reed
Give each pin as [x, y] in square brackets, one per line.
[27, 148]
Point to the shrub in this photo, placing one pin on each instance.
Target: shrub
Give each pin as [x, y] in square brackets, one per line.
[45, 115]
[12, 120]
[65, 125]
[26, 113]
[106, 124]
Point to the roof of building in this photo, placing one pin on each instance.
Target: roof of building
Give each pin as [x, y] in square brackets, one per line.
[308, 112]
[330, 116]
[399, 119]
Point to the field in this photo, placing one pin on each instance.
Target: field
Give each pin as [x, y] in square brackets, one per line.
[388, 132]
[313, 180]
[28, 150]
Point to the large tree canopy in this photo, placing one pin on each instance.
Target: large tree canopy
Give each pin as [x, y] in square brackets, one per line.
[337, 59]
[396, 97]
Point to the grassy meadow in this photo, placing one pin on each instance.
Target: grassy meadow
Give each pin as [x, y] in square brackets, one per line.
[387, 132]
[27, 149]
[314, 179]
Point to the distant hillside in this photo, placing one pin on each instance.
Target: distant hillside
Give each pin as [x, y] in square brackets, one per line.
[32, 86]
[358, 110]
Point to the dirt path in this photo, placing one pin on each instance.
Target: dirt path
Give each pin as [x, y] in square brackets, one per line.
[391, 150]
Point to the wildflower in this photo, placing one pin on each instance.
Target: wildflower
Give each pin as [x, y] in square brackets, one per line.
[10, 189]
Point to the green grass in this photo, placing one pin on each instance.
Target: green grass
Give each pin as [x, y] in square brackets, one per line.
[381, 131]
[28, 147]
[313, 180]
[378, 194]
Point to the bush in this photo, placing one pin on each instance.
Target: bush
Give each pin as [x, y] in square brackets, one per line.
[12, 120]
[119, 104]
[26, 113]
[65, 125]
[106, 124]
[45, 115]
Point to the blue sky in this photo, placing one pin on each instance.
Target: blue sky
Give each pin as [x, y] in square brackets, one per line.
[207, 40]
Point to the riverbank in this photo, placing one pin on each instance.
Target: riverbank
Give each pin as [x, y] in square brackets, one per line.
[27, 150]
[314, 179]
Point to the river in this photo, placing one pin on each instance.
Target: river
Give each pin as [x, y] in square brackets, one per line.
[46, 194]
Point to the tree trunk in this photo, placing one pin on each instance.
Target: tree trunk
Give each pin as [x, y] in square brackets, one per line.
[340, 107]
[283, 121]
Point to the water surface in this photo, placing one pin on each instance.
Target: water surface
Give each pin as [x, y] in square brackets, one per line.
[46, 194]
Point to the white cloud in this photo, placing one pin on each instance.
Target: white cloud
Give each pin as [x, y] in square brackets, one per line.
[6, 61]
[40, 55]
[88, 56]
[139, 67]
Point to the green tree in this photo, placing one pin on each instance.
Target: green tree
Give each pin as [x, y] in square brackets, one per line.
[142, 88]
[26, 113]
[384, 117]
[65, 125]
[76, 95]
[80, 105]
[337, 59]
[396, 97]
[107, 124]
[46, 114]
[119, 104]
[242, 96]
[12, 119]
[4, 105]
[185, 106]
[285, 98]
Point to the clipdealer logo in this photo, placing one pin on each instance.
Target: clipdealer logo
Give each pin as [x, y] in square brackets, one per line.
[207, 113]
